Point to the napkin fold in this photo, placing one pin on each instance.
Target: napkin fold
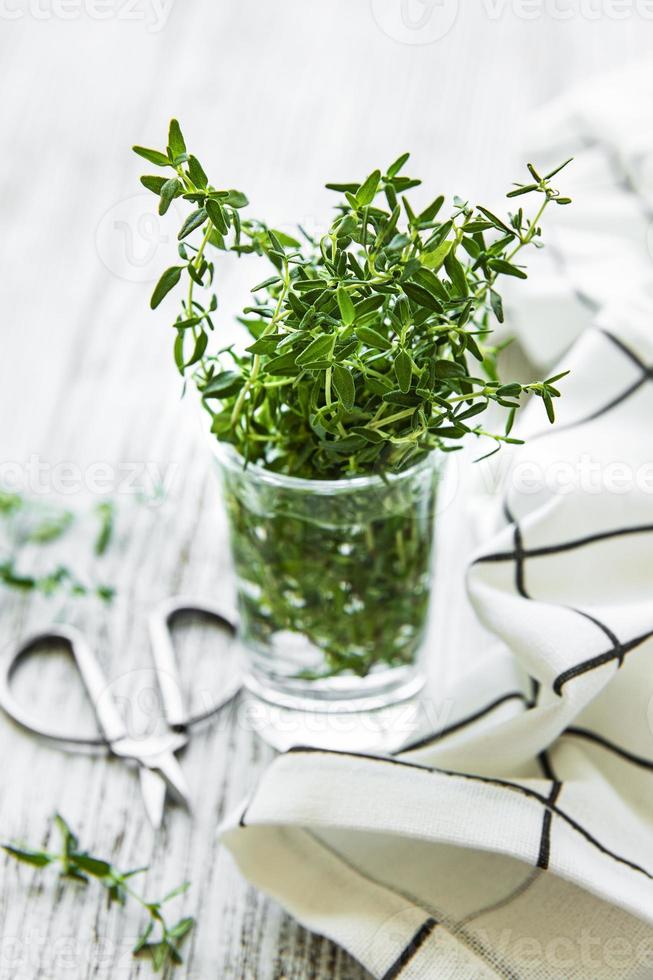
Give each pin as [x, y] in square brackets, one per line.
[516, 841]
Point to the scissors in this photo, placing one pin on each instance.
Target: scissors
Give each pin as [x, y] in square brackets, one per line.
[158, 767]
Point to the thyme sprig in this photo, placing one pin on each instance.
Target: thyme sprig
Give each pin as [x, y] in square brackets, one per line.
[369, 346]
[25, 522]
[159, 940]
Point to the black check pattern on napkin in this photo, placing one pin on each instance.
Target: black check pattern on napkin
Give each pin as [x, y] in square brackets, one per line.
[618, 649]
[549, 802]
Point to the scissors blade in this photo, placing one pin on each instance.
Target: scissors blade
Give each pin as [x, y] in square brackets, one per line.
[153, 791]
[168, 766]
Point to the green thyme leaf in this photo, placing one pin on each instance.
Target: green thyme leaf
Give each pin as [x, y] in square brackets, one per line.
[395, 167]
[456, 273]
[192, 222]
[176, 143]
[434, 259]
[239, 200]
[448, 369]
[319, 349]
[26, 855]
[373, 338]
[422, 297]
[367, 190]
[557, 169]
[106, 514]
[143, 938]
[507, 268]
[153, 183]
[215, 212]
[179, 890]
[497, 305]
[196, 172]
[403, 370]
[169, 191]
[93, 866]
[52, 527]
[346, 306]
[223, 385]
[152, 156]
[497, 222]
[344, 384]
[168, 281]
[429, 213]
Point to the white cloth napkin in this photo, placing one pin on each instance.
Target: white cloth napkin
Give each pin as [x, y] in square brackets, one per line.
[517, 842]
[600, 249]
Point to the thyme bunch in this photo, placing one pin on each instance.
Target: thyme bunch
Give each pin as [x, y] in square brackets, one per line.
[368, 346]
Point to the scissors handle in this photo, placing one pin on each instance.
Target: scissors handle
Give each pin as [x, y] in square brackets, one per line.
[163, 653]
[108, 716]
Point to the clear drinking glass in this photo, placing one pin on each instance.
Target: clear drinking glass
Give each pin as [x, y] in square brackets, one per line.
[333, 580]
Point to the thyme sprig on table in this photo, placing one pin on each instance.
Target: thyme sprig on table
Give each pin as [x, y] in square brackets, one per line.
[159, 941]
[362, 342]
[28, 522]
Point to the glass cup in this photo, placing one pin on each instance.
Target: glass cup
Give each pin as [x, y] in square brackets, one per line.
[333, 580]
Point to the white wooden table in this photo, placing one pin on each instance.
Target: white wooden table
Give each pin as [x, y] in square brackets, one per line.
[275, 98]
